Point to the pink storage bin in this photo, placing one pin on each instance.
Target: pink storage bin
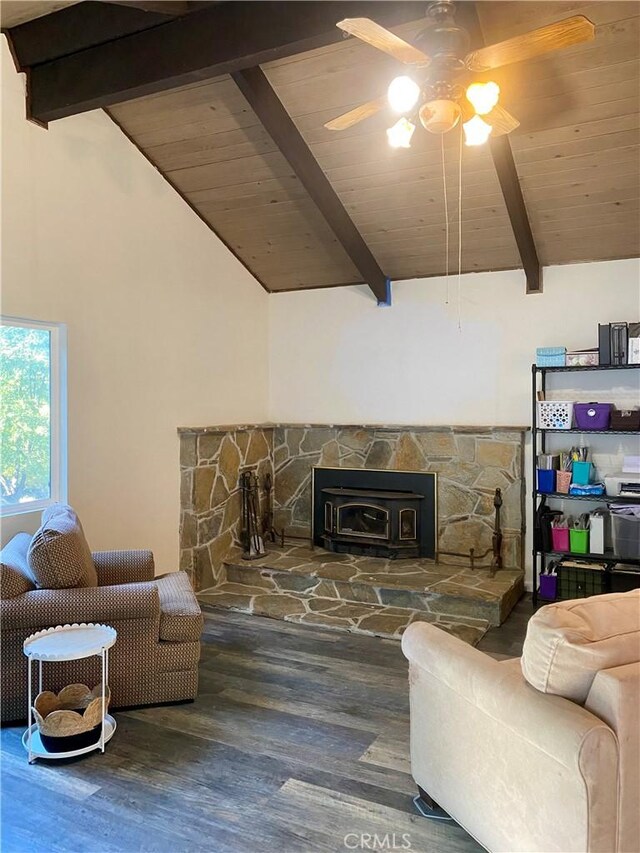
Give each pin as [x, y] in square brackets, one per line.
[560, 538]
[592, 415]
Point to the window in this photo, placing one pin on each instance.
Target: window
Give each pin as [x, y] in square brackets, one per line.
[32, 415]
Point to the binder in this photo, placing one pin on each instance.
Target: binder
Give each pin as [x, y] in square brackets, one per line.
[619, 341]
[604, 343]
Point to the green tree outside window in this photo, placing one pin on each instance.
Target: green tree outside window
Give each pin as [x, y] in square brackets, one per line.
[25, 414]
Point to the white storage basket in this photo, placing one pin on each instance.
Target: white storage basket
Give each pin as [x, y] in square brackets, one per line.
[555, 414]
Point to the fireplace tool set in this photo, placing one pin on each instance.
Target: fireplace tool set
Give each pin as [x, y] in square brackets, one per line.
[252, 542]
[251, 537]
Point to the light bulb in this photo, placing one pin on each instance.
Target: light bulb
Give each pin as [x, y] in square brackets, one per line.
[400, 134]
[476, 131]
[483, 96]
[403, 94]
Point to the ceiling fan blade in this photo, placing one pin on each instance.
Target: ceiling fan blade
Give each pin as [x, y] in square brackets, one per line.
[534, 43]
[375, 35]
[360, 113]
[501, 121]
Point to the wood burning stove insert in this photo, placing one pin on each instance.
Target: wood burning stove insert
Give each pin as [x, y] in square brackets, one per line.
[378, 513]
[374, 520]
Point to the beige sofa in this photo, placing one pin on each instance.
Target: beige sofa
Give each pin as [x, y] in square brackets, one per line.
[540, 753]
[53, 578]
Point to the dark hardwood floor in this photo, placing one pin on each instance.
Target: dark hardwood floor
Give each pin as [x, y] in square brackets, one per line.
[298, 739]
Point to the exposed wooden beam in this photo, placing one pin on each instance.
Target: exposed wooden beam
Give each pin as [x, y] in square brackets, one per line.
[163, 7]
[76, 28]
[219, 39]
[504, 163]
[258, 91]
[514, 201]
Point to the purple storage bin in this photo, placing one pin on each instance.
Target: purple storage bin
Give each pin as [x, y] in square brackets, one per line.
[548, 587]
[560, 538]
[592, 415]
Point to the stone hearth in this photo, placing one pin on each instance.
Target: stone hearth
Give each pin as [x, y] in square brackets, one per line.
[363, 594]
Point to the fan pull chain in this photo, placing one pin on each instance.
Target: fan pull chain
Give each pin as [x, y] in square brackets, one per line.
[460, 230]
[446, 217]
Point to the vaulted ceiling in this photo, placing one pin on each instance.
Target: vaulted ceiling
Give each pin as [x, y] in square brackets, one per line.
[576, 153]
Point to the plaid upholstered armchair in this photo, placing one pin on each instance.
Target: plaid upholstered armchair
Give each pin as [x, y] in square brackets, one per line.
[53, 579]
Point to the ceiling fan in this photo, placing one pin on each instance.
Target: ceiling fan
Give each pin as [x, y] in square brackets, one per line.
[439, 88]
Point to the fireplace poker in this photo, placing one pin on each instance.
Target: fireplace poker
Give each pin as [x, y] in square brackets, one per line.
[267, 524]
[496, 540]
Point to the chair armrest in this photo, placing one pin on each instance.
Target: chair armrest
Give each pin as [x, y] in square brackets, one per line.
[615, 698]
[42, 608]
[114, 567]
[551, 723]
[521, 770]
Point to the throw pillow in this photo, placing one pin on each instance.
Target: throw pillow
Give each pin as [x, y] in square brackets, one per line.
[568, 643]
[59, 555]
[15, 575]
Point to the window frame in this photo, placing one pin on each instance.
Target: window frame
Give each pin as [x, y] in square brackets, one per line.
[58, 414]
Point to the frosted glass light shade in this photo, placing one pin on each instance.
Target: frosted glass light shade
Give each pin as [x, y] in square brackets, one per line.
[476, 131]
[400, 134]
[483, 96]
[403, 94]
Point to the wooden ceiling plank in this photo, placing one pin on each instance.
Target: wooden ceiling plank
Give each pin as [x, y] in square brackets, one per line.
[628, 155]
[568, 133]
[566, 151]
[256, 88]
[16, 12]
[193, 130]
[186, 50]
[274, 191]
[246, 170]
[390, 215]
[174, 104]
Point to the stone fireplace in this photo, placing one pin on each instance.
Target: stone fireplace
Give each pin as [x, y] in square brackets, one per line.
[387, 514]
[470, 463]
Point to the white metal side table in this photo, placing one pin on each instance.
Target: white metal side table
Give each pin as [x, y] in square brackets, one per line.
[68, 642]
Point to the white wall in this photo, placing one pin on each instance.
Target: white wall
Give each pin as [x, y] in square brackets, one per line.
[165, 327]
[411, 364]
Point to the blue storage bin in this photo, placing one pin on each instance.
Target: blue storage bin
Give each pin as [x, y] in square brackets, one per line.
[546, 480]
[551, 356]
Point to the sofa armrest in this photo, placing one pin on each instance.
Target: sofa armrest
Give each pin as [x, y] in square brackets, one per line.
[43, 608]
[519, 769]
[114, 567]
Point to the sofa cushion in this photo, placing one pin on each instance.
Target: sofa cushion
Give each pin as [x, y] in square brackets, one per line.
[180, 615]
[568, 643]
[15, 575]
[59, 556]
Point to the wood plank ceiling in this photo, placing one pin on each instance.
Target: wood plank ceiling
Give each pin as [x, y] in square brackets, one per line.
[576, 152]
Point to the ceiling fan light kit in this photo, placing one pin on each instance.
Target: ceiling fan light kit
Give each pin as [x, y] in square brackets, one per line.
[442, 74]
